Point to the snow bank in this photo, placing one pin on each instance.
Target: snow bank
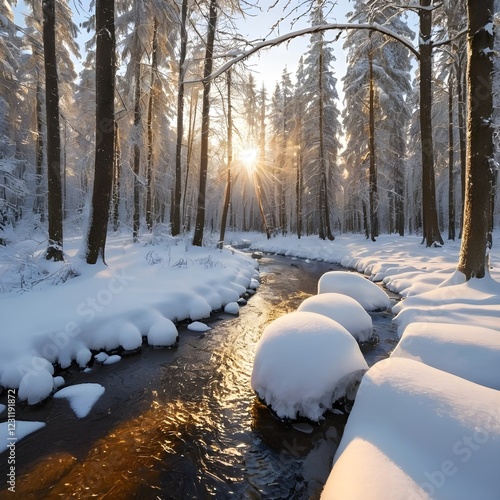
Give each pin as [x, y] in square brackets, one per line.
[343, 309]
[369, 295]
[305, 361]
[470, 352]
[22, 429]
[107, 307]
[416, 432]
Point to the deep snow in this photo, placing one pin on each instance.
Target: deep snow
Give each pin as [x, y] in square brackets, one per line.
[49, 315]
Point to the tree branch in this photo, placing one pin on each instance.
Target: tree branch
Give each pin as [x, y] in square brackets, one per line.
[449, 40]
[237, 57]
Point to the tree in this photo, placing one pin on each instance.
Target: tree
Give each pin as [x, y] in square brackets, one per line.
[205, 126]
[105, 130]
[480, 165]
[55, 214]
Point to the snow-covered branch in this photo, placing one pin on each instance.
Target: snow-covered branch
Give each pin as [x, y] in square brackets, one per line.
[451, 39]
[244, 54]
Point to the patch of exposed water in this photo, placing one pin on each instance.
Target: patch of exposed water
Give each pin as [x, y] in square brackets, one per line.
[185, 423]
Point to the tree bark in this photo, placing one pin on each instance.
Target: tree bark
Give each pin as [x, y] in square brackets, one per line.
[476, 237]
[151, 105]
[55, 199]
[227, 194]
[175, 218]
[205, 126]
[432, 235]
[451, 161]
[105, 129]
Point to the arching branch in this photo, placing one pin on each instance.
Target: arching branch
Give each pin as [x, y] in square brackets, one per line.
[240, 56]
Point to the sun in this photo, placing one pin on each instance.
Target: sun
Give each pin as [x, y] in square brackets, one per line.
[248, 158]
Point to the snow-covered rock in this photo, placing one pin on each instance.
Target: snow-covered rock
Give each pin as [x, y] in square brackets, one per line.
[305, 361]
[81, 397]
[163, 333]
[22, 429]
[35, 386]
[367, 293]
[343, 309]
[471, 352]
[198, 326]
[232, 308]
[416, 432]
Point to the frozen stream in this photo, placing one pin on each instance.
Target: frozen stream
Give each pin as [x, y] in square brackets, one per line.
[184, 423]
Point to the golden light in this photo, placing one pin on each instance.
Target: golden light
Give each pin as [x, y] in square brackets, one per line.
[248, 158]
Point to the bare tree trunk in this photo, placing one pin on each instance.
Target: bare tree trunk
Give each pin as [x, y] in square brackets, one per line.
[40, 198]
[432, 235]
[151, 104]
[372, 176]
[175, 217]
[461, 132]
[117, 172]
[476, 238]
[190, 141]
[227, 194]
[105, 130]
[451, 159]
[205, 126]
[137, 151]
[55, 215]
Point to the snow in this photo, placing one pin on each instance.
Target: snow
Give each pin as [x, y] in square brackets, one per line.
[416, 432]
[303, 363]
[162, 333]
[110, 360]
[419, 423]
[343, 309]
[369, 295]
[468, 351]
[105, 307]
[22, 429]
[198, 326]
[232, 308]
[81, 397]
[2, 408]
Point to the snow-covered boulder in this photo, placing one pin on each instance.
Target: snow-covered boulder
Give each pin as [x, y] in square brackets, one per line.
[416, 432]
[367, 293]
[232, 308]
[305, 361]
[471, 352]
[35, 386]
[81, 397]
[343, 309]
[163, 333]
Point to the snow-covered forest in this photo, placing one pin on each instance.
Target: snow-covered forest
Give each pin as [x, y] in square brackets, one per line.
[192, 154]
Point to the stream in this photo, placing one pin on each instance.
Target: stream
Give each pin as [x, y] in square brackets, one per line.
[184, 423]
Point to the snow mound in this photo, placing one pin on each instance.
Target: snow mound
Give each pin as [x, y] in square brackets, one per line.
[343, 309]
[416, 432]
[163, 333]
[305, 361]
[35, 386]
[21, 431]
[198, 326]
[81, 397]
[367, 293]
[470, 352]
[232, 308]
[110, 360]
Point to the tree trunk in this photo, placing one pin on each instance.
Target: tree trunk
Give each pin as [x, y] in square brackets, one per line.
[476, 238]
[55, 214]
[105, 130]
[40, 198]
[117, 172]
[137, 151]
[227, 194]
[451, 158]
[175, 217]
[151, 104]
[205, 126]
[432, 235]
[372, 176]
[461, 132]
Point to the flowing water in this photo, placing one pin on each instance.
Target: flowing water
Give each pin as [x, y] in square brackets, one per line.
[184, 423]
